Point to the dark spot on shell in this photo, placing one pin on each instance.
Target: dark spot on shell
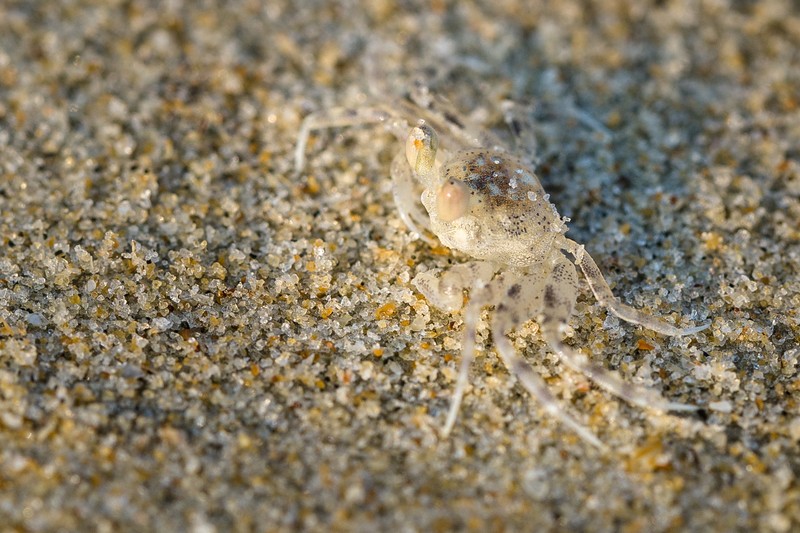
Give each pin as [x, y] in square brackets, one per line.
[549, 296]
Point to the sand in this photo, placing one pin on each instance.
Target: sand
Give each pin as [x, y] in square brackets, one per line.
[193, 337]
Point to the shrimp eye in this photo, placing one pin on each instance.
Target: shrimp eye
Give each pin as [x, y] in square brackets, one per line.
[452, 202]
[421, 147]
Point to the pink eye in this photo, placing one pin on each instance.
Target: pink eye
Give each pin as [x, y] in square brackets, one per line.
[452, 202]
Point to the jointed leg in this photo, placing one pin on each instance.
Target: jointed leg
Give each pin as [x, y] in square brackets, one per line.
[560, 293]
[510, 312]
[405, 188]
[471, 316]
[534, 384]
[340, 117]
[607, 299]
[608, 379]
[446, 291]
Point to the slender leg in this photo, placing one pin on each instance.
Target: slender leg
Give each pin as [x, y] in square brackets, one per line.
[560, 292]
[568, 109]
[340, 117]
[405, 188]
[607, 299]
[588, 120]
[471, 316]
[510, 312]
[446, 292]
[608, 379]
[535, 386]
